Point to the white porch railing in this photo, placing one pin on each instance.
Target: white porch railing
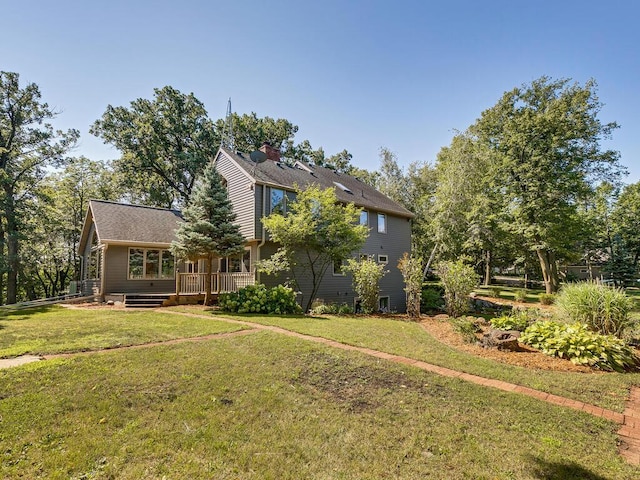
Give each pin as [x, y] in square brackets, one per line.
[193, 283]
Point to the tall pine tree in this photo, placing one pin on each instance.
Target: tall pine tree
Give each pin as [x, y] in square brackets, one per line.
[208, 230]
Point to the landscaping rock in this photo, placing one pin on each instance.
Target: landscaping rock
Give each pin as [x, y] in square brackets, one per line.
[501, 339]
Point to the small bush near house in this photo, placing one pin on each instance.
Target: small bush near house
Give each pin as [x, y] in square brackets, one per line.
[331, 309]
[432, 298]
[495, 291]
[259, 299]
[547, 298]
[366, 279]
[604, 309]
[458, 280]
[580, 345]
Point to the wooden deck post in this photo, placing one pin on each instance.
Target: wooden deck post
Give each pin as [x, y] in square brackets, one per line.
[178, 286]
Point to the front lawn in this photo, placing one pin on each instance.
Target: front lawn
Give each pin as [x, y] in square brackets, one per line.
[266, 406]
[57, 329]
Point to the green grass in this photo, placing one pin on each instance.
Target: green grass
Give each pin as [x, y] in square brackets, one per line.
[266, 406]
[54, 329]
[608, 390]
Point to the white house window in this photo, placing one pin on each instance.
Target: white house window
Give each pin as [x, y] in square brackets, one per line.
[382, 223]
[383, 259]
[337, 267]
[147, 264]
[364, 218]
[240, 263]
[277, 200]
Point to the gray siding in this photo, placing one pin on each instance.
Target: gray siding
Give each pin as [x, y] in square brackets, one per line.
[260, 191]
[338, 288]
[241, 194]
[116, 272]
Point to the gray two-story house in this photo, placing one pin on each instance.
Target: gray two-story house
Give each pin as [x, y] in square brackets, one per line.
[125, 247]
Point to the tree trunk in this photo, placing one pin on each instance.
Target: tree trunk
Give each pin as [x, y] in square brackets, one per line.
[549, 270]
[487, 268]
[207, 282]
[12, 246]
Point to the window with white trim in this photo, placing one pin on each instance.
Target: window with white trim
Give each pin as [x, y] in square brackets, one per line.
[150, 264]
[337, 268]
[383, 259]
[364, 218]
[240, 263]
[382, 223]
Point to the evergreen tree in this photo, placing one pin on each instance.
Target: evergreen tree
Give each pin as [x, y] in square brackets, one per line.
[208, 230]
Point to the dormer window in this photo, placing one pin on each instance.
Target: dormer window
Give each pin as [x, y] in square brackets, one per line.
[342, 187]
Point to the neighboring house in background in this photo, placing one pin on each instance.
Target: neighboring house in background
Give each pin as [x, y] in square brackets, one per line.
[255, 190]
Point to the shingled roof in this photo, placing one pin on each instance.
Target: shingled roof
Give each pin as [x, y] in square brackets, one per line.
[122, 223]
[348, 189]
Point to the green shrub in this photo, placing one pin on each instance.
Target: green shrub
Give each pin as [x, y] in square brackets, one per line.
[331, 309]
[258, 299]
[580, 345]
[516, 320]
[467, 327]
[547, 298]
[458, 280]
[432, 298]
[520, 295]
[495, 291]
[366, 279]
[604, 309]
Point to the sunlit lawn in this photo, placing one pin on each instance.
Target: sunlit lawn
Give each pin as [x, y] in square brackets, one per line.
[267, 406]
[56, 329]
[608, 390]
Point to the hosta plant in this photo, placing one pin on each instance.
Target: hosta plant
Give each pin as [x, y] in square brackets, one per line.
[577, 343]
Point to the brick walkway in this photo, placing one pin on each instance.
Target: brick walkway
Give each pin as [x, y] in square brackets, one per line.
[629, 420]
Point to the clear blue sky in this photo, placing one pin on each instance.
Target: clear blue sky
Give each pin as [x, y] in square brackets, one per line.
[351, 74]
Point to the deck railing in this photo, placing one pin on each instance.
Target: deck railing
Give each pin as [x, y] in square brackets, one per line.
[193, 283]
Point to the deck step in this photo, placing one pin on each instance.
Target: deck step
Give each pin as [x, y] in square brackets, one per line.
[141, 300]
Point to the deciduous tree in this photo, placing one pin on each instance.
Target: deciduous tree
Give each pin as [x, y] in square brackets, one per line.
[28, 146]
[315, 232]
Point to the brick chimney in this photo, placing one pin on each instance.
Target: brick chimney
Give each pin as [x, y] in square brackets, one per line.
[272, 153]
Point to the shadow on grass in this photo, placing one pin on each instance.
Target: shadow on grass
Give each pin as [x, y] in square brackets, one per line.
[8, 312]
[565, 470]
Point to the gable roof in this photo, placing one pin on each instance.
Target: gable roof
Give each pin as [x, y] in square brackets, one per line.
[120, 223]
[348, 189]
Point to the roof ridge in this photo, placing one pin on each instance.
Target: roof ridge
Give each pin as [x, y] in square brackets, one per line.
[134, 205]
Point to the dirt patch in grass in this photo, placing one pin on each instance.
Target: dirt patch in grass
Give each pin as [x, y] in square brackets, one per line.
[351, 384]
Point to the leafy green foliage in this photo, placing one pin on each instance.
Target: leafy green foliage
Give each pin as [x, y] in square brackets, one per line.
[367, 274]
[467, 327]
[315, 232]
[547, 298]
[580, 345]
[516, 320]
[165, 143]
[604, 309]
[411, 268]
[545, 139]
[495, 291]
[520, 295]
[260, 299]
[458, 280]
[332, 309]
[28, 147]
[432, 298]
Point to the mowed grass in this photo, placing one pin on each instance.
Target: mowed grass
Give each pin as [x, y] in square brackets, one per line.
[267, 406]
[608, 390]
[57, 330]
